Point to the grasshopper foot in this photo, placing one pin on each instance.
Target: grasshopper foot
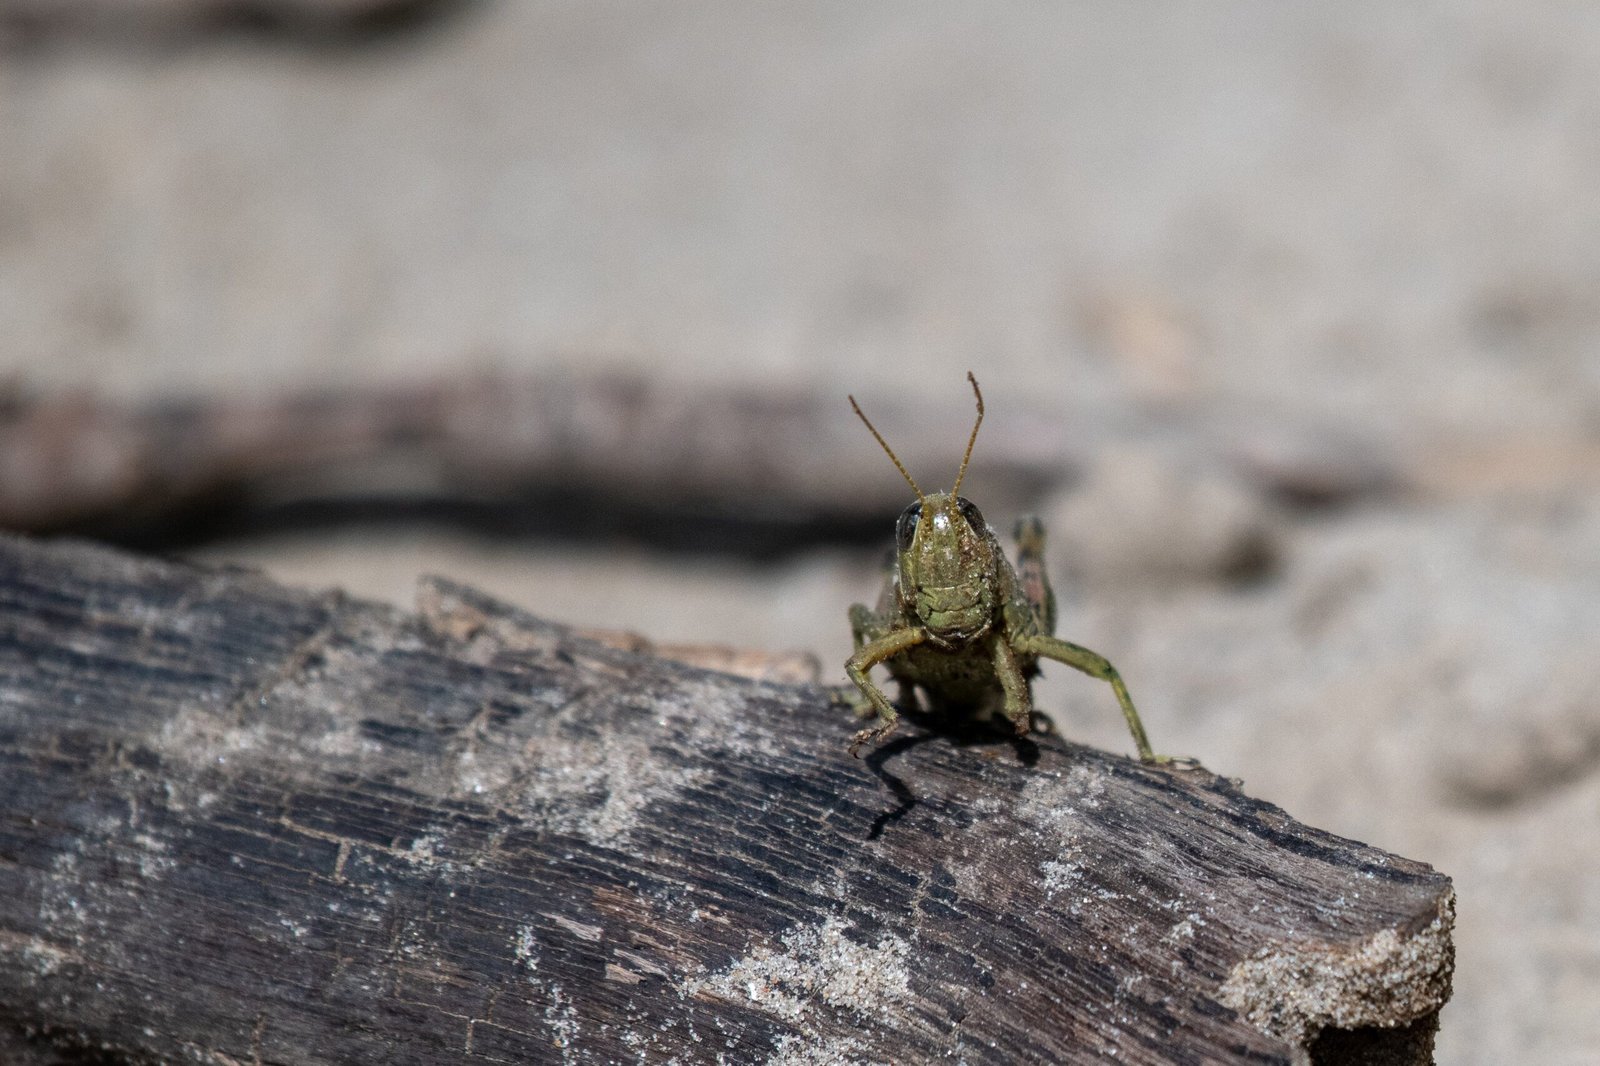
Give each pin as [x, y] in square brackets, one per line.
[1176, 762]
[870, 736]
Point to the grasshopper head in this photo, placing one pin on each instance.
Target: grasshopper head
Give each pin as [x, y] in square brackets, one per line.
[947, 567]
[947, 570]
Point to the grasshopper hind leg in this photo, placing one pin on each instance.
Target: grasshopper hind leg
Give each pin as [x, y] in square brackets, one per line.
[1031, 575]
[1098, 666]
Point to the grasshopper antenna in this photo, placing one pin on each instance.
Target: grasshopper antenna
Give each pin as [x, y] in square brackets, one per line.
[970, 440]
[898, 465]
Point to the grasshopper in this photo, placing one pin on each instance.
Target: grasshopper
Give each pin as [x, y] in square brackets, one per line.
[956, 620]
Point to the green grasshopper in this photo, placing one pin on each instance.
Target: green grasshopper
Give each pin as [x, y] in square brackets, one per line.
[955, 619]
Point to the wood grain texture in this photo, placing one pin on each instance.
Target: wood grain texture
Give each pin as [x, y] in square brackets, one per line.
[244, 824]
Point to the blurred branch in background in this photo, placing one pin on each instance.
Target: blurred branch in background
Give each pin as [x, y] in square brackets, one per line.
[26, 22]
[742, 470]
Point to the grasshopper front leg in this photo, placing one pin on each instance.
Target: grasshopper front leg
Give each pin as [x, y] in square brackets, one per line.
[885, 647]
[1018, 700]
[1095, 665]
[866, 626]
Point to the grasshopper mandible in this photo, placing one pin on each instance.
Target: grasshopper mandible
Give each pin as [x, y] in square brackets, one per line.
[956, 620]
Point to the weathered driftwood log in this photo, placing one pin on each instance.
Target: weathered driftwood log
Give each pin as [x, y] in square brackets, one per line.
[243, 824]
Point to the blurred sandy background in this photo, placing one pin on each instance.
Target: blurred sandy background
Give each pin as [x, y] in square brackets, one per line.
[1374, 219]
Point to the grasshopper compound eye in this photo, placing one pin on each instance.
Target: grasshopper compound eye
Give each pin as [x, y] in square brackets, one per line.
[970, 512]
[906, 527]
